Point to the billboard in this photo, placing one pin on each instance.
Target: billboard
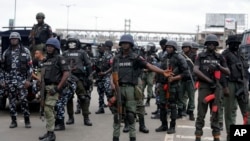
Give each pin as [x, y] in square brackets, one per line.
[220, 20]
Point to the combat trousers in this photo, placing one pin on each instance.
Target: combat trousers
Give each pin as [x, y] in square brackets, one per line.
[15, 94]
[147, 80]
[187, 93]
[205, 90]
[103, 87]
[50, 102]
[231, 105]
[128, 97]
[84, 97]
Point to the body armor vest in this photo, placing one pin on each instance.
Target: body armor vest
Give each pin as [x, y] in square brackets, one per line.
[22, 57]
[74, 58]
[205, 60]
[53, 72]
[128, 72]
[235, 64]
[41, 33]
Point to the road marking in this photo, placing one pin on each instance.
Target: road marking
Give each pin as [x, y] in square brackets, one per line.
[169, 137]
[193, 137]
[190, 127]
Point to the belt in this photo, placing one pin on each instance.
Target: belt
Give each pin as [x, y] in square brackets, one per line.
[126, 85]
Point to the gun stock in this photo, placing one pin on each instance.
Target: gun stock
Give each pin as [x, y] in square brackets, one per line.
[118, 95]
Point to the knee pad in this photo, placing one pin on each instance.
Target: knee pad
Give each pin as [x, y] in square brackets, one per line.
[130, 117]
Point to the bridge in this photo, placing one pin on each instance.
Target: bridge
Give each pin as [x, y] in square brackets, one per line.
[141, 37]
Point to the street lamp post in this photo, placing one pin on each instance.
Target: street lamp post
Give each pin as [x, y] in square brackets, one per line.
[68, 6]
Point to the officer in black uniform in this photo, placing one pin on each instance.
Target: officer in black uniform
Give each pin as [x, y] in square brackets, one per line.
[80, 68]
[206, 64]
[103, 70]
[161, 55]
[169, 87]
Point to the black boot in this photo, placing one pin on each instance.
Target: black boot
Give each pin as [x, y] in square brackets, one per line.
[27, 122]
[161, 128]
[191, 115]
[100, 111]
[142, 127]
[50, 137]
[125, 128]
[43, 136]
[164, 122]
[115, 138]
[87, 120]
[13, 123]
[60, 126]
[147, 102]
[221, 126]
[71, 120]
[171, 129]
[179, 115]
[132, 139]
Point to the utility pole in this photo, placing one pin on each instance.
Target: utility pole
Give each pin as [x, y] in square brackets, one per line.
[14, 15]
[197, 35]
[127, 26]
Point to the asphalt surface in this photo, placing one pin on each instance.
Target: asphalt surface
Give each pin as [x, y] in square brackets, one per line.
[102, 127]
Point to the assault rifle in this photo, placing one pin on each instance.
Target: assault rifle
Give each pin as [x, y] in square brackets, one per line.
[214, 97]
[242, 93]
[42, 94]
[115, 77]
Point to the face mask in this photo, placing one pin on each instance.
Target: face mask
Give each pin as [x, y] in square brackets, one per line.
[72, 45]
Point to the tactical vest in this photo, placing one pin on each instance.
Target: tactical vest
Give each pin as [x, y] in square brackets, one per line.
[53, 74]
[128, 71]
[41, 33]
[22, 57]
[235, 64]
[74, 58]
[205, 60]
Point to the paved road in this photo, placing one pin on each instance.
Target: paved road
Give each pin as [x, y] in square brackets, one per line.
[101, 129]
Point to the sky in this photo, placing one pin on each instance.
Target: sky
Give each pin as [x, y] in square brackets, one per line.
[145, 15]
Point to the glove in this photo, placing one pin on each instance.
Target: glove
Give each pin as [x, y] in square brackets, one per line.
[53, 91]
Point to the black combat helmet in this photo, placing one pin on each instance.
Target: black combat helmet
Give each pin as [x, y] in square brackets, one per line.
[233, 39]
[187, 44]
[211, 38]
[163, 42]
[40, 15]
[195, 45]
[127, 38]
[15, 35]
[151, 47]
[108, 43]
[172, 43]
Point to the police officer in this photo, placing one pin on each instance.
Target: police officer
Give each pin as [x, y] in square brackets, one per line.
[195, 48]
[80, 69]
[128, 66]
[161, 55]
[147, 75]
[56, 73]
[206, 64]
[103, 71]
[187, 84]
[39, 34]
[17, 76]
[239, 76]
[169, 87]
